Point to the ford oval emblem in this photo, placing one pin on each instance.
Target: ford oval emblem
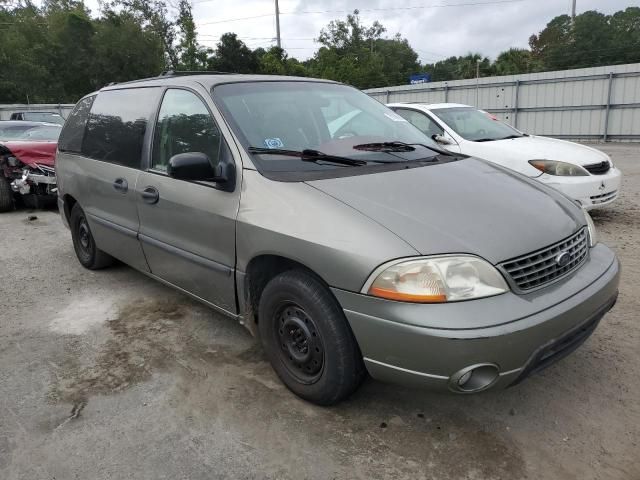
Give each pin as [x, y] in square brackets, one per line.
[563, 259]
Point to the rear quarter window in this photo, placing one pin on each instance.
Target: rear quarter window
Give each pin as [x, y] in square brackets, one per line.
[73, 132]
[117, 125]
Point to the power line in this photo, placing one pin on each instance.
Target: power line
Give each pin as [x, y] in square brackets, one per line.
[414, 7]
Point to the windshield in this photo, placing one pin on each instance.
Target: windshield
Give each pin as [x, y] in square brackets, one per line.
[43, 117]
[475, 125]
[329, 118]
[30, 133]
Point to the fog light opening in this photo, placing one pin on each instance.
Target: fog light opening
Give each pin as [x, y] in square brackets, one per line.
[474, 378]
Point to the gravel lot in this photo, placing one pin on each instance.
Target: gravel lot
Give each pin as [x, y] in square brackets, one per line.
[111, 375]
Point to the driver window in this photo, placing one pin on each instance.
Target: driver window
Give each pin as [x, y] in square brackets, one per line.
[184, 125]
[421, 121]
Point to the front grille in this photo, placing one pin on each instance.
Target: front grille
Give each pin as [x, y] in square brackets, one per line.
[604, 198]
[541, 267]
[598, 168]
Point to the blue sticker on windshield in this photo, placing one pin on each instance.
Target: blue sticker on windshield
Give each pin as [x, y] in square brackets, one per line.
[273, 143]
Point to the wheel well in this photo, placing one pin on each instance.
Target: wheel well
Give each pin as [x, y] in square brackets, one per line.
[69, 202]
[259, 272]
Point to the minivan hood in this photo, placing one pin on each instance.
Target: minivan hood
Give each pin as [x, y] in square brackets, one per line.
[533, 148]
[467, 206]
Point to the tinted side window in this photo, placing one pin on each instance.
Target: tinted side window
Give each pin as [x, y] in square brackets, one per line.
[117, 125]
[421, 121]
[184, 125]
[73, 131]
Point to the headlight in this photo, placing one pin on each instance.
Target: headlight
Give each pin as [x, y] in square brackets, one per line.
[562, 169]
[436, 280]
[593, 234]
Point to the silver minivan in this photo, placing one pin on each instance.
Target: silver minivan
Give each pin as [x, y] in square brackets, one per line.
[334, 230]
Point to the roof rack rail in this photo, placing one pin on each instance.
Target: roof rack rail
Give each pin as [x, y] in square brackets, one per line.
[174, 73]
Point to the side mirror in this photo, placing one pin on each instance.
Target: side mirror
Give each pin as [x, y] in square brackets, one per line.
[442, 140]
[195, 166]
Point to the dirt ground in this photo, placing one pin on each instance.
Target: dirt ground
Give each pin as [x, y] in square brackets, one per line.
[109, 375]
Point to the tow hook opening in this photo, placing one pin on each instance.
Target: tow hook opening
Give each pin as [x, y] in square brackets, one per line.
[474, 378]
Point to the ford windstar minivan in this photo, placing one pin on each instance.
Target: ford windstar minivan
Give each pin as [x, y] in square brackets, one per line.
[351, 248]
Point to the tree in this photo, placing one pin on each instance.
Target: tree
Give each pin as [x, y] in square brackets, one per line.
[275, 61]
[124, 51]
[191, 55]
[399, 60]
[515, 61]
[626, 36]
[59, 53]
[152, 15]
[592, 39]
[358, 54]
[552, 45]
[232, 55]
[460, 68]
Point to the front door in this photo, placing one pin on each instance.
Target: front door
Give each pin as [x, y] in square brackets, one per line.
[187, 228]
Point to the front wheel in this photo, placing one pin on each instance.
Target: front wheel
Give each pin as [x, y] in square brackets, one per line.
[308, 340]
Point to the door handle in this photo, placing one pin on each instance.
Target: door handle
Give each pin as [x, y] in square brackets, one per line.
[150, 195]
[121, 185]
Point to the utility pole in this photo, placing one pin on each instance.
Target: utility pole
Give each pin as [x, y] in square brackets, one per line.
[477, 80]
[573, 10]
[278, 25]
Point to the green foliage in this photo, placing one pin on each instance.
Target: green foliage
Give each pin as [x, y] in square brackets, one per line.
[516, 60]
[61, 51]
[358, 55]
[232, 55]
[460, 68]
[275, 61]
[191, 55]
[593, 39]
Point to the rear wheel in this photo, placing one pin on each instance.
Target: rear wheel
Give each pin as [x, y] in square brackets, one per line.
[89, 255]
[308, 340]
[6, 195]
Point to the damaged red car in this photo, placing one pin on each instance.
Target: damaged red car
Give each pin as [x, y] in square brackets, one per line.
[27, 155]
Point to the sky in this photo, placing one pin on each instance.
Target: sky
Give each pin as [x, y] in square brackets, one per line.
[436, 29]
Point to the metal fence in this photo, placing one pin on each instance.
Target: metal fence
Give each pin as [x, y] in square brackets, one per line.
[600, 103]
[62, 108]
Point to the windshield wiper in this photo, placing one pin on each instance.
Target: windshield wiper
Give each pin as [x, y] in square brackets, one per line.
[309, 155]
[397, 146]
[496, 139]
[394, 146]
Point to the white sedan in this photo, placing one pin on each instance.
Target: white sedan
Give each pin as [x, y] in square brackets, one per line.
[580, 172]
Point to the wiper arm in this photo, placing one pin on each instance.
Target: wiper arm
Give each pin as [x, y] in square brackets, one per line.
[385, 147]
[511, 136]
[397, 146]
[496, 139]
[309, 155]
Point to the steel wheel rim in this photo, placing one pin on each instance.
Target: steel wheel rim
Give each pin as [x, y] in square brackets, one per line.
[84, 237]
[300, 346]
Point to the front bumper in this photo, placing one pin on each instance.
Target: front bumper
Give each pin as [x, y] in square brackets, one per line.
[594, 191]
[429, 345]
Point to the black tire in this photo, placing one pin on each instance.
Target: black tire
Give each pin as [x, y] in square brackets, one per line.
[89, 255]
[307, 339]
[6, 195]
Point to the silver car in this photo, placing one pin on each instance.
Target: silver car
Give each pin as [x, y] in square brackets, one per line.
[334, 230]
